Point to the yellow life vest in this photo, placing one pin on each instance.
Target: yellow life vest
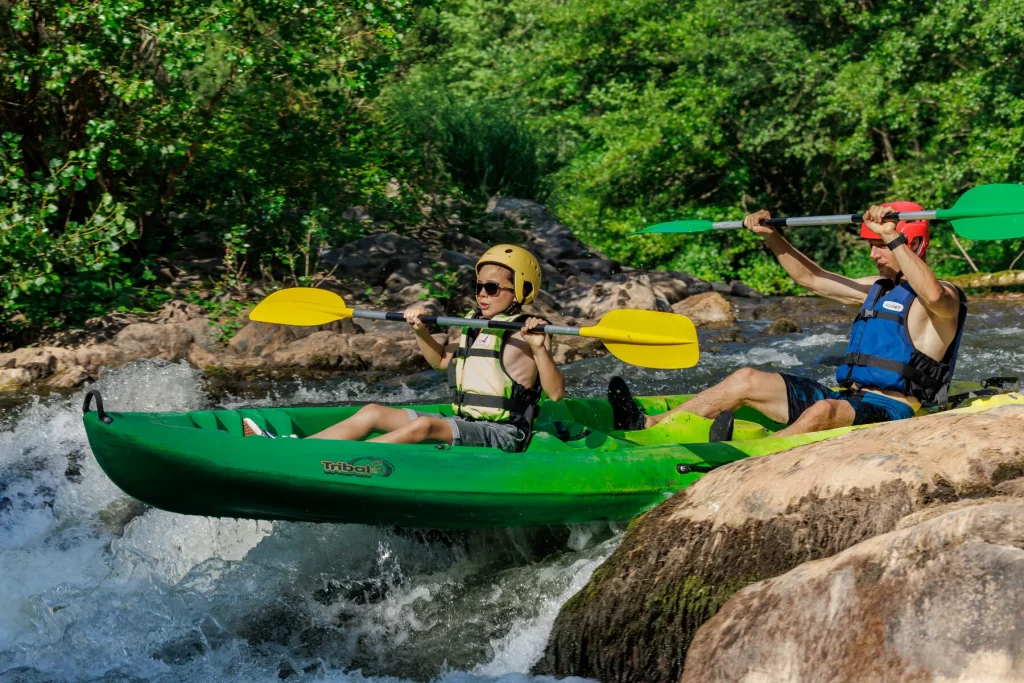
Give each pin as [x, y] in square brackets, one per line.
[481, 388]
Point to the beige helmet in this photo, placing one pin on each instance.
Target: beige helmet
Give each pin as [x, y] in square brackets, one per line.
[524, 266]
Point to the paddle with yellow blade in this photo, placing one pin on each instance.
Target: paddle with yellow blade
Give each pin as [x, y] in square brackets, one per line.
[649, 339]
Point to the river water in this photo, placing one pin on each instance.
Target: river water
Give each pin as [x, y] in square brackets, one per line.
[97, 587]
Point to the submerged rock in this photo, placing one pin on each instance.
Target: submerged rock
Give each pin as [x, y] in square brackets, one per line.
[940, 600]
[760, 517]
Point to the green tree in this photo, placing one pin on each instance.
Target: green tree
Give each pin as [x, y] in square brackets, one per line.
[152, 124]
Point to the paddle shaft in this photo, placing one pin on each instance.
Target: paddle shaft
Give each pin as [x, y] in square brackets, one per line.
[839, 219]
[481, 323]
[605, 334]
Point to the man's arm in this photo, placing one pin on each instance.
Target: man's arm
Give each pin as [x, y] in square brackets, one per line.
[940, 299]
[806, 272]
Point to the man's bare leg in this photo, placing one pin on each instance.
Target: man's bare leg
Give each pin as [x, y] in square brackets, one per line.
[369, 418]
[822, 415]
[762, 391]
[419, 430]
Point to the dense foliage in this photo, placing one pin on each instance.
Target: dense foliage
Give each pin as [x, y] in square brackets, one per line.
[138, 131]
[708, 108]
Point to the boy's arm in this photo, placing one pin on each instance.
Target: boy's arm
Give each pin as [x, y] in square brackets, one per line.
[432, 350]
[551, 379]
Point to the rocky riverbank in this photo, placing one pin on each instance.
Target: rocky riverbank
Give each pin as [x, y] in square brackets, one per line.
[383, 270]
[889, 553]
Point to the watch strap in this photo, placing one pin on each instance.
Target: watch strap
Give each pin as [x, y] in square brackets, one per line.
[902, 239]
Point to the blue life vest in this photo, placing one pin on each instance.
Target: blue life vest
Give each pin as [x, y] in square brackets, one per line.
[880, 354]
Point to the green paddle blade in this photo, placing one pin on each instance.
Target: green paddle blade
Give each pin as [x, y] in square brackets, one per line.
[677, 226]
[988, 212]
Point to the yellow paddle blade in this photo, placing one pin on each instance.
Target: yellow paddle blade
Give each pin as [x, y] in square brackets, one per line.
[649, 339]
[301, 306]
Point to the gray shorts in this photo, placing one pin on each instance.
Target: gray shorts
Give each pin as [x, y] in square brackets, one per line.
[479, 432]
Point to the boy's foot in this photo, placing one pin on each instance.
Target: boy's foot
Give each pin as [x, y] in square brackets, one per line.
[626, 414]
[250, 428]
[721, 428]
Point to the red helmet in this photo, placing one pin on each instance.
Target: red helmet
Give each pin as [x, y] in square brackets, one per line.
[916, 232]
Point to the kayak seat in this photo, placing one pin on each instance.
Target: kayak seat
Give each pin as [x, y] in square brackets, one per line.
[218, 420]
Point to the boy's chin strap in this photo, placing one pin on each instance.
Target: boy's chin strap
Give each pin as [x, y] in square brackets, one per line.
[513, 308]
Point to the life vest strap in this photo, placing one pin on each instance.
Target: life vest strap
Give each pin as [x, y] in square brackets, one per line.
[463, 398]
[868, 313]
[902, 369]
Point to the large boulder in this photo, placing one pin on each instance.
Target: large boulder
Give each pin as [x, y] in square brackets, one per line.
[374, 257]
[593, 301]
[548, 238]
[760, 517]
[942, 600]
[263, 339]
[709, 309]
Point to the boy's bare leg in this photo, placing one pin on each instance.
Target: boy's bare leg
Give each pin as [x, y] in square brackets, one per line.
[369, 418]
[762, 391]
[419, 430]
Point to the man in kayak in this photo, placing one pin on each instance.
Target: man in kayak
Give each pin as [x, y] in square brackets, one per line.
[496, 376]
[902, 349]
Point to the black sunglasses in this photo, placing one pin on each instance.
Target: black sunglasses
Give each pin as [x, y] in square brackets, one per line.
[492, 288]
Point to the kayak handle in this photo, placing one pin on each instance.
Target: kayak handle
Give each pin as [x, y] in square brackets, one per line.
[102, 414]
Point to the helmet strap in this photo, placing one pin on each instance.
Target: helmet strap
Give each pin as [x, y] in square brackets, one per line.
[513, 308]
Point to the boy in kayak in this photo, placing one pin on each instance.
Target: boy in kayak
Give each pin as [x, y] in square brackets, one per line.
[496, 376]
[902, 350]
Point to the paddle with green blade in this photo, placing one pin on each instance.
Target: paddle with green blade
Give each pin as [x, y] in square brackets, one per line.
[986, 212]
[649, 339]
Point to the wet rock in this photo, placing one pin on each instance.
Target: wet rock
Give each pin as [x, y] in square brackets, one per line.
[149, 340]
[784, 326]
[710, 309]
[68, 378]
[98, 356]
[675, 286]
[35, 362]
[263, 339]
[760, 517]
[566, 349]
[942, 600]
[726, 337]
[322, 349]
[14, 378]
[594, 301]
[738, 288]
[721, 287]
[201, 358]
[1013, 487]
[388, 352]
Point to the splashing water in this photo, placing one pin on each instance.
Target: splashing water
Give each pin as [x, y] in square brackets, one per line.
[96, 586]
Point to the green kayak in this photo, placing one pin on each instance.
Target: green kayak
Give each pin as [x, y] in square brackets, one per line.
[576, 468]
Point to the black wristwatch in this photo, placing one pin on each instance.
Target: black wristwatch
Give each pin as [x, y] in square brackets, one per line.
[902, 239]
